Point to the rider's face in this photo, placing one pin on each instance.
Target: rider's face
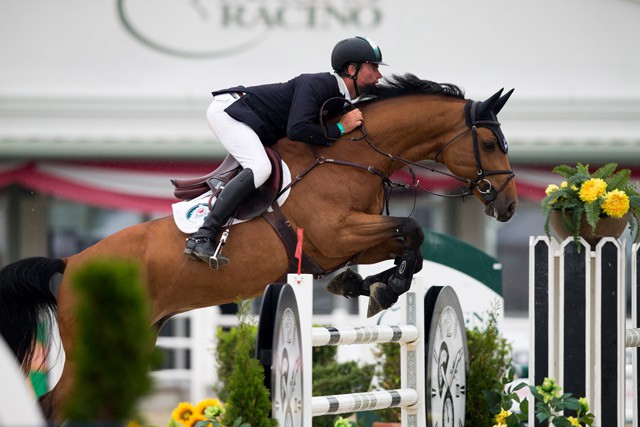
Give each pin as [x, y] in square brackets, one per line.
[368, 75]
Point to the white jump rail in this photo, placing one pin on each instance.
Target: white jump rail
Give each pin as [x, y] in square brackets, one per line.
[410, 335]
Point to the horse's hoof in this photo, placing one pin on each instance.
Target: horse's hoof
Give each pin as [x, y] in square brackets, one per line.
[373, 308]
[347, 284]
[381, 298]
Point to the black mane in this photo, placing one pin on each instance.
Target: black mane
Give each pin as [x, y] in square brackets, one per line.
[408, 84]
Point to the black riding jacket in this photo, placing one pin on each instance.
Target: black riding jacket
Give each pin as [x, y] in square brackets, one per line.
[289, 109]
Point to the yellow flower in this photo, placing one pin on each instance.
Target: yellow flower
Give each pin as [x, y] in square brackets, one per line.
[133, 424]
[501, 418]
[195, 418]
[183, 412]
[573, 421]
[212, 406]
[499, 425]
[616, 203]
[563, 184]
[592, 189]
[551, 188]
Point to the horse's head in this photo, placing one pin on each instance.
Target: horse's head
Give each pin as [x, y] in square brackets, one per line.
[480, 157]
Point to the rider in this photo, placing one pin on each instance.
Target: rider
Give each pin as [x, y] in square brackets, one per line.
[246, 118]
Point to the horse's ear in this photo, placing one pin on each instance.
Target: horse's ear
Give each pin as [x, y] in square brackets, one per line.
[503, 100]
[486, 107]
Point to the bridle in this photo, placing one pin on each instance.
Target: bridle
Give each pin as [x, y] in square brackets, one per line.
[486, 190]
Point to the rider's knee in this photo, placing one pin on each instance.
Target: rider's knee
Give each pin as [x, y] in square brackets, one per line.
[261, 173]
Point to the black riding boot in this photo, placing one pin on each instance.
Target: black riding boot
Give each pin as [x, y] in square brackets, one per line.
[202, 243]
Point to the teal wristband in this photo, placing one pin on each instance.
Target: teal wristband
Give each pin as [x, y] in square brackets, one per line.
[340, 127]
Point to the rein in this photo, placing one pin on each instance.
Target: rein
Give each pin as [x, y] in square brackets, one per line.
[386, 182]
[487, 191]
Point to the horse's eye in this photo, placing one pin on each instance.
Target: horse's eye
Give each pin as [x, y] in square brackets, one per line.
[489, 145]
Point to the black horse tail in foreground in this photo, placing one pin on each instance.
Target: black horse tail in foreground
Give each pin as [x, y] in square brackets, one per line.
[26, 301]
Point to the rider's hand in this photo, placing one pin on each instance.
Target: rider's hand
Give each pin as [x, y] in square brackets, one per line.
[351, 120]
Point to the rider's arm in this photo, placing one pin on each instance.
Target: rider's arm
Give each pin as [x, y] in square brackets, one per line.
[309, 95]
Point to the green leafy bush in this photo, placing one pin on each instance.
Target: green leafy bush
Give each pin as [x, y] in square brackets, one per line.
[387, 357]
[248, 398]
[489, 362]
[227, 341]
[114, 343]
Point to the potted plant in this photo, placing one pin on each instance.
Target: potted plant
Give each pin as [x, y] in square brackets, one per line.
[552, 407]
[591, 205]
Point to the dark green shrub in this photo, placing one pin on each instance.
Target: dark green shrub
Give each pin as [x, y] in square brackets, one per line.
[248, 397]
[227, 341]
[387, 357]
[489, 362]
[114, 342]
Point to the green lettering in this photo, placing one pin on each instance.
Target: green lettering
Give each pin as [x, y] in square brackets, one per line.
[232, 16]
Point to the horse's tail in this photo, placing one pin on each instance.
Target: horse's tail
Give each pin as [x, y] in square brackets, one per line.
[27, 303]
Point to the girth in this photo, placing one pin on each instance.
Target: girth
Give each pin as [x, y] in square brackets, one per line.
[289, 238]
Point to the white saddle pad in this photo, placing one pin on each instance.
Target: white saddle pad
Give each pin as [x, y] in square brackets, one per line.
[190, 214]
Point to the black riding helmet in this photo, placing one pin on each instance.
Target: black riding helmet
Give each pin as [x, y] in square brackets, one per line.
[356, 49]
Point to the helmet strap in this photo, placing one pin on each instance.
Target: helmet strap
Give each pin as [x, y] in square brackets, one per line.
[354, 77]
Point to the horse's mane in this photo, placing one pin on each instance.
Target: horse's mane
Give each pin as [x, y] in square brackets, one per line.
[408, 84]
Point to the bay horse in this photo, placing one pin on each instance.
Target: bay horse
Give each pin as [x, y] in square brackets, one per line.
[338, 201]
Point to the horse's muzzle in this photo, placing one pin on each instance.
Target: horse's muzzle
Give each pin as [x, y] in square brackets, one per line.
[501, 214]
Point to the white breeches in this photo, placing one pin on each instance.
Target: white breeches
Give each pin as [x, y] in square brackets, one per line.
[239, 139]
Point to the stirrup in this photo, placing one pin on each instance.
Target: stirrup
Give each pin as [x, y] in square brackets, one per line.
[217, 260]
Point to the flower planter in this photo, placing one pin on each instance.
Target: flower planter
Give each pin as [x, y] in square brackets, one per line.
[606, 227]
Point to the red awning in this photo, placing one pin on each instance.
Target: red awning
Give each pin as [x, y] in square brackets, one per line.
[145, 187]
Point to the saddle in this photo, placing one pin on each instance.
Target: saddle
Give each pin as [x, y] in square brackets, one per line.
[255, 204]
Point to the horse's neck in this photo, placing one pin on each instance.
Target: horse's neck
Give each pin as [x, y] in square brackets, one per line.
[415, 128]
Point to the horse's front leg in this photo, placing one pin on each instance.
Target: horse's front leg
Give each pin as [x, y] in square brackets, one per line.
[399, 238]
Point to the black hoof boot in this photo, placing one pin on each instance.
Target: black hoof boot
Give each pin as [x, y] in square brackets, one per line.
[348, 284]
[382, 297]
